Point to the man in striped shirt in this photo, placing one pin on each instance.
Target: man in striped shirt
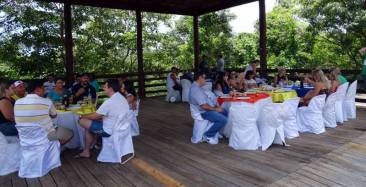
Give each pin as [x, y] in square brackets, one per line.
[33, 108]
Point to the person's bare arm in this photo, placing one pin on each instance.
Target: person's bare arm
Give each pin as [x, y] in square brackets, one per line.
[211, 108]
[7, 110]
[314, 92]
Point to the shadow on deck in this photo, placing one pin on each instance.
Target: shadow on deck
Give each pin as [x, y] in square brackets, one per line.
[165, 156]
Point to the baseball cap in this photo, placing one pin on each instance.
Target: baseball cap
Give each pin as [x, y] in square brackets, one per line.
[17, 83]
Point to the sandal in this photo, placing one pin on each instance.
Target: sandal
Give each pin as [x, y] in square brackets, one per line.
[78, 156]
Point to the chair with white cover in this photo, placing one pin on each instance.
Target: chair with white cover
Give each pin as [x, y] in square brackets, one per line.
[200, 125]
[186, 86]
[341, 94]
[349, 104]
[119, 143]
[290, 122]
[270, 125]
[310, 118]
[244, 133]
[329, 114]
[9, 154]
[38, 154]
[135, 129]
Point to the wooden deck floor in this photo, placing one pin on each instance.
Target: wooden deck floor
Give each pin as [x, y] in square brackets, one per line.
[165, 156]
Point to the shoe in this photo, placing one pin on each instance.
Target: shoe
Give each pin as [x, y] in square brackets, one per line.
[211, 140]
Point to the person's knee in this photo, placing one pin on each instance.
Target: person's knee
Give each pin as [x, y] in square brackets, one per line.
[85, 123]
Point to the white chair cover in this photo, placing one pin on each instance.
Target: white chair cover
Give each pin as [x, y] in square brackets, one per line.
[310, 118]
[173, 95]
[135, 129]
[244, 134]
[186, 86]
[329, 115]
[270, 125]
[341, 94]
[9, 154]
[38, 154]
[290, 122]
[200, 125]
[349, 104]
[120, 142]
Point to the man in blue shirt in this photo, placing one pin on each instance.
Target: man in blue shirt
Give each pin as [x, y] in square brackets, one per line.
[83, 89]
[208, 111]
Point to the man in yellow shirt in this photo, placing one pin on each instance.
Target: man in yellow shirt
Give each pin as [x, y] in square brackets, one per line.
[19, 90]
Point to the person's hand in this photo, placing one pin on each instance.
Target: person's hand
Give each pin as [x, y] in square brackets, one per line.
[80, 91]
[218, 109]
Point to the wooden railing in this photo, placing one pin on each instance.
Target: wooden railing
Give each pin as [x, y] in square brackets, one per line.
[155, 82]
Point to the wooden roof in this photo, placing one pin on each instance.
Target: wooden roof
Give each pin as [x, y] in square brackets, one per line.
[182, 7]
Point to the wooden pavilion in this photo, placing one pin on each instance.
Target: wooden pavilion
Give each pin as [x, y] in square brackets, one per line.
[193, 8]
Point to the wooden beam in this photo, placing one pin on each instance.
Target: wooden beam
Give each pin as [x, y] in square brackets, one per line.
[140, 58]
[69, 65]
[263, 38]
[196, 43]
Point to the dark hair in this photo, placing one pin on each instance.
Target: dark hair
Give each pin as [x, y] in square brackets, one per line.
[254, 61]
[77, 75]
[114, 84]
[84, 74]
[198, 74]
[220, 55]
[33, 85]
[51, 75]
[59, 78]
[91, 76]
[173, 68]
[248, 74]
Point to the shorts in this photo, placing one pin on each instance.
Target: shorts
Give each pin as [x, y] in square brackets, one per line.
[8, 129]
[60, 133]
[96, 127]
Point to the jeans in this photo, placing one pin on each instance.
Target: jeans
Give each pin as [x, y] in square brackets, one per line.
[8, 129]
[219, 120]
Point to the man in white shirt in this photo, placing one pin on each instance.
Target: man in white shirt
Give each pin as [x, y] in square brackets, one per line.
[50, 84]
[101, 122]
[33, 108]
[252, 67]
[220, 66]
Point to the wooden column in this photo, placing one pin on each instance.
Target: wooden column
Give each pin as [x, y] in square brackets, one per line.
[263, 38]
[69, 65]
[140, 59]
[196, 42]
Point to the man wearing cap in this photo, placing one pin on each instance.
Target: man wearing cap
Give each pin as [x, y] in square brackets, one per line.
[19, 90]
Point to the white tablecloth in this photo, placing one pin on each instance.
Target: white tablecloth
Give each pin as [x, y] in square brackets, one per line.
[70, 120]
[258, 106]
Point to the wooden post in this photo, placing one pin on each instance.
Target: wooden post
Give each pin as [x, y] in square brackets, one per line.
[196, 42]
[69, 65]
[140, 59]
[263, 38]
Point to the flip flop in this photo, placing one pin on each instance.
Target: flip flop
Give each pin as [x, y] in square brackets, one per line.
[78, 156]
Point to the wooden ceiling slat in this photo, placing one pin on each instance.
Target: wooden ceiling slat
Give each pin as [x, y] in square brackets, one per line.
[181, 7]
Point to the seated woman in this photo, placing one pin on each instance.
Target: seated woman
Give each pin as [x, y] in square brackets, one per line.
[334, 81]
[59, 92]
[7, 124]
[281, 78]
[220, 86]
[321, 86]
[131, 96]
[249, 81]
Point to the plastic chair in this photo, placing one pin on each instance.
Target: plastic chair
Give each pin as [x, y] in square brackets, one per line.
[349, 104]
[329, 114]
[200, 125]
[135, 130]
[341, 94]
[244, 134]
[119, 143]
[9, 154]
[186, 86]
[310, 118]
[270, 125]
[290, 122]
[38, 154]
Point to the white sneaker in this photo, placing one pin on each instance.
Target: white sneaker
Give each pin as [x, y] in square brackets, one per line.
[211, 140]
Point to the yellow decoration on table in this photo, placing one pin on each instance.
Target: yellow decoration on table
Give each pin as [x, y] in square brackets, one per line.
[279, 97]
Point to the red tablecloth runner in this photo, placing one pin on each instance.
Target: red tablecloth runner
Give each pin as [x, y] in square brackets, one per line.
[252, 98]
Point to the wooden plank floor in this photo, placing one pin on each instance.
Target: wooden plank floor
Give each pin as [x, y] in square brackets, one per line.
[165, 156]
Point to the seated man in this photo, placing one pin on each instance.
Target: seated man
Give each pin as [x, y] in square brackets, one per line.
[207, 109]
[83, 89]
[101, 122]
[33, 108]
